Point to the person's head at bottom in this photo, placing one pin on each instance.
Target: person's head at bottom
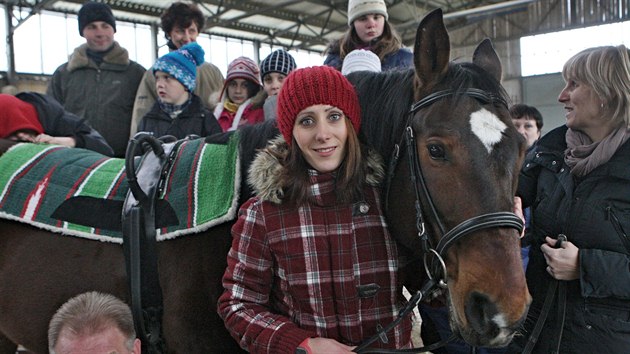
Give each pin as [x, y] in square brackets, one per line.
[95, 323]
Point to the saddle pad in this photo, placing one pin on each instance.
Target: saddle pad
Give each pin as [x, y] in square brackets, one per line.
[202, 186]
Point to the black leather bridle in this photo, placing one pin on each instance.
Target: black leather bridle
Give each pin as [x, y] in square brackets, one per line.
[436, 268]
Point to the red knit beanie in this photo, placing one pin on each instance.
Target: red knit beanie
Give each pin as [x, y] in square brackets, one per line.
[16, 115]
[312, 86]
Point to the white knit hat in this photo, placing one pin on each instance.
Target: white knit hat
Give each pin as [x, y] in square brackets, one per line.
[358, 8]
[360, 60]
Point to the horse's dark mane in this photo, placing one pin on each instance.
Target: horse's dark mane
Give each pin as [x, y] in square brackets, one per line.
[385, 99]
[466, 75]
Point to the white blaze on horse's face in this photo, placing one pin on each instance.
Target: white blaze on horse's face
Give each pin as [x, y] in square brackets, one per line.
[487, 127]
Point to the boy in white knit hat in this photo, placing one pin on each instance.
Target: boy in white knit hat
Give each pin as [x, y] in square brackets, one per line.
[361, 60]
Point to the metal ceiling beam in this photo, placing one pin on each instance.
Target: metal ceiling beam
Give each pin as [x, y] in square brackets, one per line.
[481, 10]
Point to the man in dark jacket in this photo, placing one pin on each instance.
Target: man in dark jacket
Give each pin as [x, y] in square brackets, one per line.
[99, 82]
[34, 117]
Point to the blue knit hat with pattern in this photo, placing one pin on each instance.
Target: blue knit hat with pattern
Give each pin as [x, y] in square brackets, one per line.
[279, 61]
[182, 64]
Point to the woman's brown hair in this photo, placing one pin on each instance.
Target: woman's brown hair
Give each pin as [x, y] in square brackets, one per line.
[388, 43]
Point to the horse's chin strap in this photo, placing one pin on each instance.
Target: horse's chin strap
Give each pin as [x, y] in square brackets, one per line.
[406, 311]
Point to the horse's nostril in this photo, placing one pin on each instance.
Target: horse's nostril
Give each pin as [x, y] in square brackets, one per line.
[481, 313]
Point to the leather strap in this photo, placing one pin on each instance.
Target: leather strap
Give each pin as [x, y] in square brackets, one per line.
[139, 239]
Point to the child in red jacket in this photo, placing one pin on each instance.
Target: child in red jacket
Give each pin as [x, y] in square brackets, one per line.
[235, 107]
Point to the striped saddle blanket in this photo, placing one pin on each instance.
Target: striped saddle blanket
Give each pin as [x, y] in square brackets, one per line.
[201, 189]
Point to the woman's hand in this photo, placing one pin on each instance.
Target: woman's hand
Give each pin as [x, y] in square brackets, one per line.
[57, 140]
[325, 346]
[562, 262]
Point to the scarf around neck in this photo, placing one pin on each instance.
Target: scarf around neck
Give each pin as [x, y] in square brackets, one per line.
[583, 155]
[173, 110]
[230, 106]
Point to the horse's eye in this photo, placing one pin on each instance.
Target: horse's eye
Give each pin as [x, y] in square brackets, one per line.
[436, 151]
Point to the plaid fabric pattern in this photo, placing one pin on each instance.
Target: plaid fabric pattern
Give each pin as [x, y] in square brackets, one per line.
[296, 273]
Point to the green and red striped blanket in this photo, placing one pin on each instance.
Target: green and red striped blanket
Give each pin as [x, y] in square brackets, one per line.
[202, 186]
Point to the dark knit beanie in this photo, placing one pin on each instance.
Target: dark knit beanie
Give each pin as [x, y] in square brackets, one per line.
[312, 86]
[182, 64]
[95, 11]
[279, 61]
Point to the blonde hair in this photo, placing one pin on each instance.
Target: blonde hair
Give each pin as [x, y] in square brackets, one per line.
[607, 71]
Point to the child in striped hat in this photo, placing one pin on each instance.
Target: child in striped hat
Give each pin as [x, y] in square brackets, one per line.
[274, 69]
[235, 107]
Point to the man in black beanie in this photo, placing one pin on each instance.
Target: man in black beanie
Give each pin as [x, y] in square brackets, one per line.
[99, 82]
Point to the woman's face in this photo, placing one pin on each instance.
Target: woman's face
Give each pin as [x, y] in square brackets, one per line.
[583, 108]
[237, 91]
[272, 83]
[526, 125]
[369, 27]
[321, 134]
[182, 36]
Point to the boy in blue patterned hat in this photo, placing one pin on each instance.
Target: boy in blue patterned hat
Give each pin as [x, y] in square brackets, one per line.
[178, 111]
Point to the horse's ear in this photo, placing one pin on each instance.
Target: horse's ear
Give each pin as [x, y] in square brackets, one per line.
[432, 49]
[486, 57]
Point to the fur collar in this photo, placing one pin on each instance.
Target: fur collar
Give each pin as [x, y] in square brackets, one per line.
[265, 172]
[79, 58]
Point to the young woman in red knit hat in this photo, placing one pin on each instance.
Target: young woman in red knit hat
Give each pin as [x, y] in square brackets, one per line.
[312, 268]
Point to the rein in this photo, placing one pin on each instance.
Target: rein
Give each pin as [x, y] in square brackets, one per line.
[447, 239]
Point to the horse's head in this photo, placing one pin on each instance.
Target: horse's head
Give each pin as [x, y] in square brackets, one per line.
[464, 161]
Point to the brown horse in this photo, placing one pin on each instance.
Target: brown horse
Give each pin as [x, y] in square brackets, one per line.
[468, 153]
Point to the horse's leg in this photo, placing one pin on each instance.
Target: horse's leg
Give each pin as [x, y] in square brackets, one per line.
[6, 346]
[191, 268]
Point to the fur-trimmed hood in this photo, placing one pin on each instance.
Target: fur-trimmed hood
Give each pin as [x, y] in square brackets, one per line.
[265, 172]
[116, 56]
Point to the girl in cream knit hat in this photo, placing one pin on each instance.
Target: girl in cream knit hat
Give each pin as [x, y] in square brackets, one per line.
[369, 29]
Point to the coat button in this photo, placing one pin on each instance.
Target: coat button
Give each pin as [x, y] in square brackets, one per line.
[562, 170]
[589, 327]
[537, 155]
[527, 165]
[554, 163]
[364, 208]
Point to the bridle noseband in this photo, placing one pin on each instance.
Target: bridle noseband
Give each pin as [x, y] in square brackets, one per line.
[476, 223]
